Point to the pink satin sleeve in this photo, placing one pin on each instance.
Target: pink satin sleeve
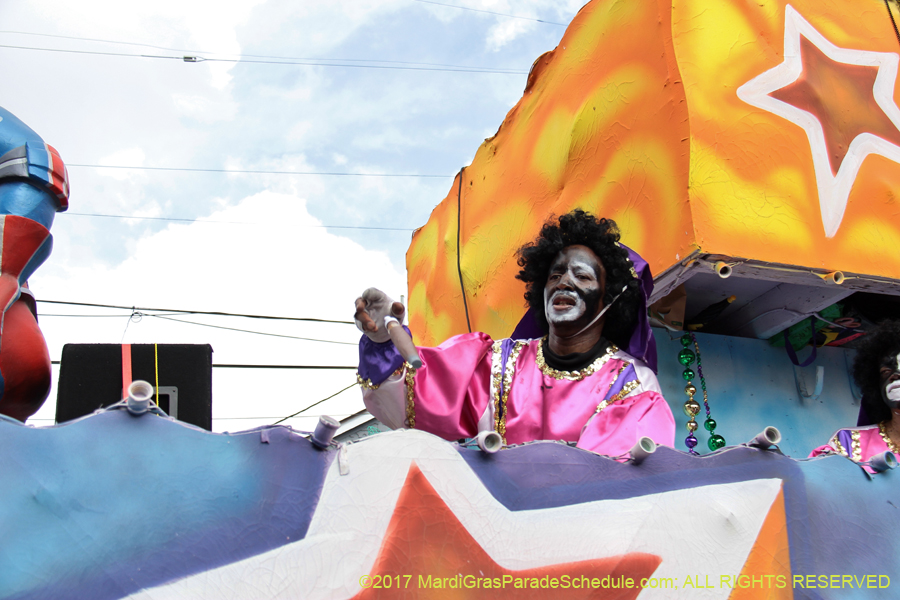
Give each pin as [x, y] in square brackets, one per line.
[616, 429]
[452, 387]
[826, 449]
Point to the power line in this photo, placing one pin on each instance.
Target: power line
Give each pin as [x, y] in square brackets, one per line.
[176, 219]
[195, 312]
[296, 367]
[277, 57]
[315, 404]
[308, 63]
[238, 418]
[259, 172]
[322, 367]
[279, 335]
[490, 12]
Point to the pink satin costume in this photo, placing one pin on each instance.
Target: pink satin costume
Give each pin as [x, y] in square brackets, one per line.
[471, 383]
[859, 444]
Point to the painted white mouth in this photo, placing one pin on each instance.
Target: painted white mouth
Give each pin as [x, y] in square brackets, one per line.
[892, 391]
[564, 306]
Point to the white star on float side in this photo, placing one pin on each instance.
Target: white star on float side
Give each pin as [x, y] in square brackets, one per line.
[834, 188]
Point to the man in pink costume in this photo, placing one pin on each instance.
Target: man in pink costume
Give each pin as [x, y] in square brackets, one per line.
[876, 371]
[562, 376]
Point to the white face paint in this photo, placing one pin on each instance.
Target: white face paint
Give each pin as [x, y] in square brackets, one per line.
[890, 392]
[563, 306]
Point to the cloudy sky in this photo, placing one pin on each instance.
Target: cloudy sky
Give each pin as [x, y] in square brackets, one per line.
[377, 102]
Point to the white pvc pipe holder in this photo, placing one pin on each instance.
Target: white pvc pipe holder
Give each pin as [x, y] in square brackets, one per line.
[722, 269]
[139, 397]
[489, 441]
[884, 461]
[325, 430]
[833, 278]
[770, 436]
[642, 449]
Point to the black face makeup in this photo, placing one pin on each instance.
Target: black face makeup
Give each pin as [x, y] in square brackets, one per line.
[889, 373]
[573, 294]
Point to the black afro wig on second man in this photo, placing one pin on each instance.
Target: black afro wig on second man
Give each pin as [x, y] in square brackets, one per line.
[879, 343]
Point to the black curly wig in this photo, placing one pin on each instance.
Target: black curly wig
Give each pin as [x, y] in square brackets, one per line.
[600, 235]
[882, 341]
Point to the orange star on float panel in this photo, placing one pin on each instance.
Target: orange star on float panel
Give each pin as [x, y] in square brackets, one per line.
[425, 538]
[842, 98]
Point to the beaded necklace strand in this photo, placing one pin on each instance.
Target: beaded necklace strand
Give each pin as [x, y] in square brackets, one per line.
[691, 407]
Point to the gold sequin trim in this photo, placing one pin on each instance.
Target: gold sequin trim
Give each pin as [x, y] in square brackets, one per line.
[615, 378]
[836, 444]
[367, 384]
[573, 375]
[496, 368]
[410, 395]
[887, 438]
[857, 451]
[507, 385]
[626, 389]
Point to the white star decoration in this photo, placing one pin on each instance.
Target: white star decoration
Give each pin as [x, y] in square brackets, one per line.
[833, 189]
[348, 529]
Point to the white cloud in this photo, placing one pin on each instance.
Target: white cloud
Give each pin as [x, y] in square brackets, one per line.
[203, 108]
[265, 255]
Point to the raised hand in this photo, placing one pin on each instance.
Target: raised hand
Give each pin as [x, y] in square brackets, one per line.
[371, 309]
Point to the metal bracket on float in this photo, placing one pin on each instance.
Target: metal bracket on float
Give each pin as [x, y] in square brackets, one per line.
[802, 388]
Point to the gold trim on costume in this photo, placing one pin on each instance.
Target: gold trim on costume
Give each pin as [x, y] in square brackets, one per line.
[500, 400]
[572, 375]
[410, 395]
[615, 378]
[496, 355]
[887, 438]
[367, 384]
[857, 451]
[836, 444]
[626, 389]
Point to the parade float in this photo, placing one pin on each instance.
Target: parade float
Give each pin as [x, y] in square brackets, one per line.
[749, 152]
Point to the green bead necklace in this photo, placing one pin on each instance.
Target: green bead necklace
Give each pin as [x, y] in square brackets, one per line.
[691, 407]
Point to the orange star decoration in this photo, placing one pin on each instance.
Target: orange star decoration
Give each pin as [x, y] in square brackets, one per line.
[842, 98]
[427, 553]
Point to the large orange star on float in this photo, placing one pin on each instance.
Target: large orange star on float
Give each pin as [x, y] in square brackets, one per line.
[844, 101]
[426, 544]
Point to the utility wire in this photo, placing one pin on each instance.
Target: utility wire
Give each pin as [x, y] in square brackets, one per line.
[296, 367]
[175, 219]
[361, 60]
[490, 12]
[235, 418]
[315, 404]
[258, 172]
[279, 335]
[309, 63]
[195, 312]
[302, 367]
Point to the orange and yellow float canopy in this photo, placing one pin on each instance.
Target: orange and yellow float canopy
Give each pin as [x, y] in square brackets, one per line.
[767, 130]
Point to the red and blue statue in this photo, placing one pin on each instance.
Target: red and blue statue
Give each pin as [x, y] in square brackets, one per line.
[34, 186]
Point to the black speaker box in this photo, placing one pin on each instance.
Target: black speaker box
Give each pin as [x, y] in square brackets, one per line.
[90, 377]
